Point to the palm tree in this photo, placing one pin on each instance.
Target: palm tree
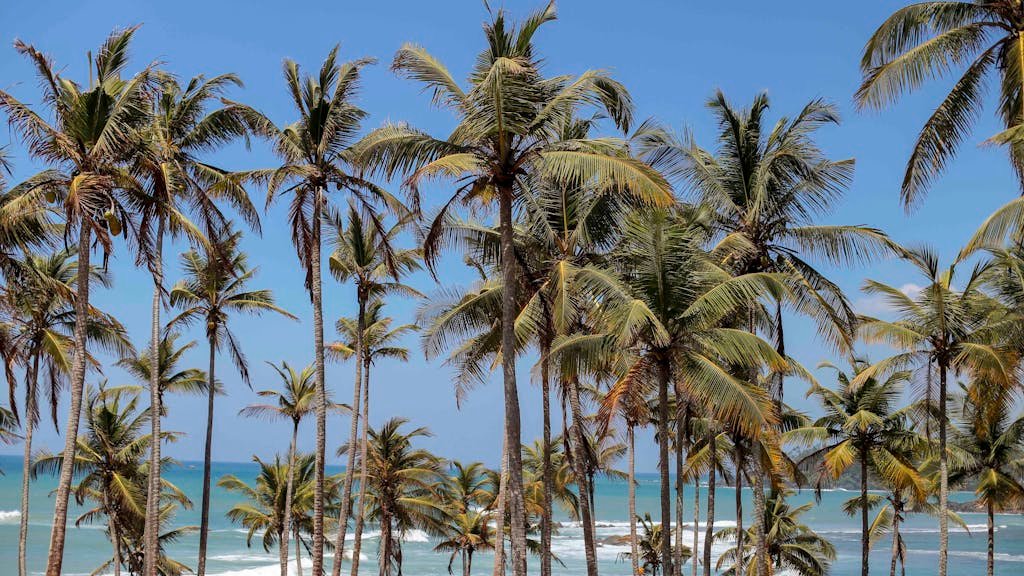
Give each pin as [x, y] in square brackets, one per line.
[38, 317]
[170, 377]
[369, 258]
[991, 453]
[296, 401]
[507, 135]
[111, 465]
[861, 426]
[182, 127]
[316, 154]
[930, 40]
[945, 329]
[216, 283]
[649, 546]
[791, 546]
[87, 146]
[467, 522]
[401, 488]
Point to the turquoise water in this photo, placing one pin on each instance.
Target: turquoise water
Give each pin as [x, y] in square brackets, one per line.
[87, 546]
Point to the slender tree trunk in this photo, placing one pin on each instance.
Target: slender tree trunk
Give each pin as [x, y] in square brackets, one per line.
[357, 544]
[943, 476]
[115, 537]
[321, 392]
[298, 552]
[288, 494]
[634, 548]
[545, 521]
[466, 559]
[55, 557]
[204, 522]
[696, 522]
[760, 540]
[508, 365]
[709, 531]
[582, 477]
[865, 544]
[385, 542]
[677, 552]
[156, 411]
[346, 490]
[990, 517]
[663, 466]
[31, 388]
[739, 505]
[895, 542]
[499, 521]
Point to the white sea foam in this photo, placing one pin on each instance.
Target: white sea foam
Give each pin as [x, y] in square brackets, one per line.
[9, 516]
[999, 556]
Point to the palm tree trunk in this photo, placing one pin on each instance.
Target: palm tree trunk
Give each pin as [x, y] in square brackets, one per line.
[760, 540]
[709, 531]
[385, 542]
[152, 525]
[508, 365]
[634, 548]
[895, 542]
[204, 522]
[739, 504]
[582, 476]
[55, 557]
[298, 552]
[864, 541]
[346, 490]
[990, 517]
[321, 392]
[115, 537]
[663, 465]
[499, 521]
[943, 476]
[357, 545]
[288, 493]
[31, 384]
[545, 521]
[678, 549]
[467, 559]
[696, 521]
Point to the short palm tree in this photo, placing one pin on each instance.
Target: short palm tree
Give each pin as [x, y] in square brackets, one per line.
[316, 157]
[38, 317]
[649, 545]
[508, 115]
[216, 284]
[87, 149]
[466, 526]
[370, 259]
[791, 547]
[990, 453]
[934, 39]
[862, 426]
[295, 401]
[944, 329]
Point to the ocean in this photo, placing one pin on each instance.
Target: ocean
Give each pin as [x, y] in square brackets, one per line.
[87, 546]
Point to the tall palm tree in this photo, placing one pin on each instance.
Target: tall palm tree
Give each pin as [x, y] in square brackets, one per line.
[316, 156]
[87, 148]
[948, 327]
[990, 446]
[791, 546]
[37, 317]
[216, 283]
[370, 259]
[507, 115]
[401, 491]
[931, 40]
[295, 401]
[182, 127]
[861, 426]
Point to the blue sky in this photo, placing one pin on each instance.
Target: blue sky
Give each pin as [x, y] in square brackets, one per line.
[671, 55]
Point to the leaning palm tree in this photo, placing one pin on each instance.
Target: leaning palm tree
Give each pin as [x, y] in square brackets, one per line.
[216, 283]
[934, 39]
[379, 340]
[990, 446]
[861, 426]
[37, 318]
[792, 547]
[87, 148]
[506, 133]
[951, 326]
[375, 265]
[295, 401]
[316, 157]
[182, 127]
